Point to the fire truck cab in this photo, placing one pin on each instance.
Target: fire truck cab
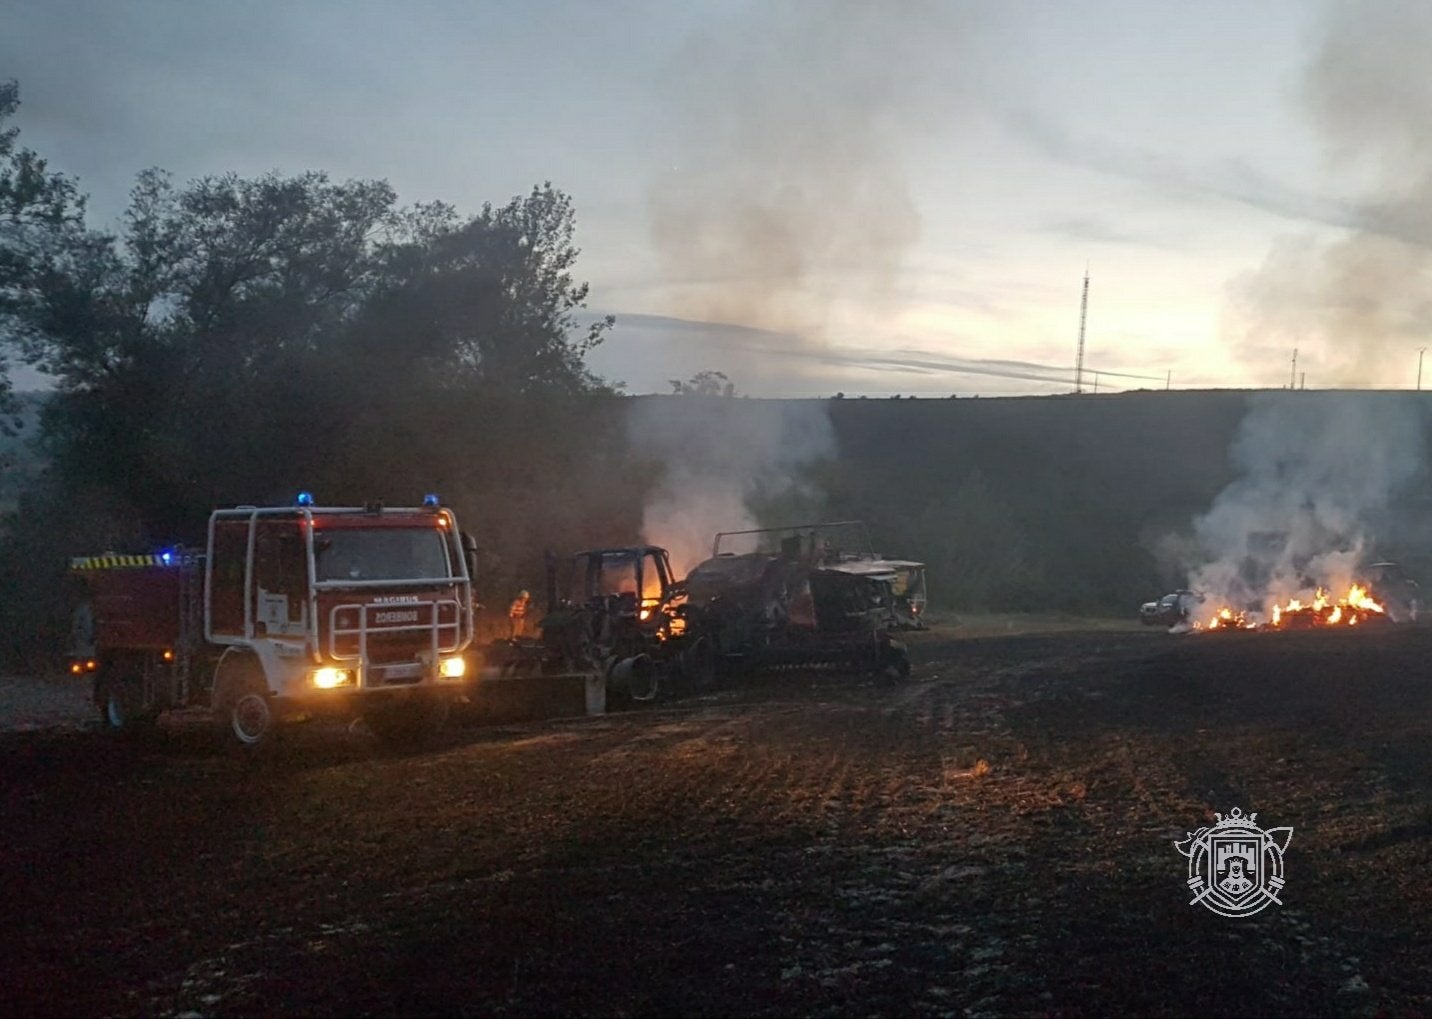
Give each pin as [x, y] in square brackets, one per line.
[289, 611]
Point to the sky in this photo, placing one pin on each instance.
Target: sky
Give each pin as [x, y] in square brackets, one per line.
[821, 196]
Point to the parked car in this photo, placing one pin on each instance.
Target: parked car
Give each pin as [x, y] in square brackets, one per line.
[1170, 610]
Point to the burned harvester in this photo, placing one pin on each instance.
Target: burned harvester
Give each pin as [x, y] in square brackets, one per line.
[626, 630]
[807, 595]
[618, 632]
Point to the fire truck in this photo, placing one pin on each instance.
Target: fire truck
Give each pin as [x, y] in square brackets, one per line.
[289, 611]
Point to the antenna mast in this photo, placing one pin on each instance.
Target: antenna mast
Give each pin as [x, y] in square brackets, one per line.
[1083, 317]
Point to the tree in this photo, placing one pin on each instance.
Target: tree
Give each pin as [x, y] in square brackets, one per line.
[490, 300]
[235, 339]
[239, 338]
[39, 211]
[704, 383]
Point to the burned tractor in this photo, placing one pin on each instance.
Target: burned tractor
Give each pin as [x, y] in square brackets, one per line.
[622, 628]
[809, 595]
[617, 632]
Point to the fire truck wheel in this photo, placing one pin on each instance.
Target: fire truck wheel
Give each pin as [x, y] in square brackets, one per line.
[120, 699]
[409, 722]
[245, 713]
[251, 718]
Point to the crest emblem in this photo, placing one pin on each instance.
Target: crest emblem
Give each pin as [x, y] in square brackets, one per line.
[1235, 868]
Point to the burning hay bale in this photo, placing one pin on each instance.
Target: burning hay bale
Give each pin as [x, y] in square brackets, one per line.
[1357, 607]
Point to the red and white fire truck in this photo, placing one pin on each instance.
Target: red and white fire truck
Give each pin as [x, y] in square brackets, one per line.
[290, 611]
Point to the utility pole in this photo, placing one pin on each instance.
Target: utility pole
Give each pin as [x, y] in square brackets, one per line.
[1083, 317]
[1293, 382]
[1168, 380]
[1420, 352]
[1096, 382]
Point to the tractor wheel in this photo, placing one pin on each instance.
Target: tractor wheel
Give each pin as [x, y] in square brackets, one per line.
[639, 677]
[245, 716]
[893, 664]
[408, 723]
[596, 693]
[698, 665]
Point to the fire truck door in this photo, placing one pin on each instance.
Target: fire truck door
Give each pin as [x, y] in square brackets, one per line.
[228, 560]
[280, 587]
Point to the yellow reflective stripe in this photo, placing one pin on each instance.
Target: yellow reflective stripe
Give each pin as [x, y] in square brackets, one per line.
[112, 562]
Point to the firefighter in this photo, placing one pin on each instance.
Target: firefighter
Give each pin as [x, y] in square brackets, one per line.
[517, 615]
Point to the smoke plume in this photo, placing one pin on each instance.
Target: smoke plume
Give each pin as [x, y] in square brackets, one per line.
[1318, 476]
[722, 459]
[788, 124]
[1358, 307]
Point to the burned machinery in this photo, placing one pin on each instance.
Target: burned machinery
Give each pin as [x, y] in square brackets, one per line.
[615, 631]
[808, 595]
[625, 629]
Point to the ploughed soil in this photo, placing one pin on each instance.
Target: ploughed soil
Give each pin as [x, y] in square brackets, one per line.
[993, 837]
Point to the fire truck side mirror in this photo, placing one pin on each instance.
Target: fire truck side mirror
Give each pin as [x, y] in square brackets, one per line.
[469, 554]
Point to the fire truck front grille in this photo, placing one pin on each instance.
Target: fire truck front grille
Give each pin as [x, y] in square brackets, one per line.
[395, 641]
[395, 652]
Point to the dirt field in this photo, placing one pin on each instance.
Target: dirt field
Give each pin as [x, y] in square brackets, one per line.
[996, 837]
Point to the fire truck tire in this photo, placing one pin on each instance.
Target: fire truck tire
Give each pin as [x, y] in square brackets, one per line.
[120, 699]
[410, 722]
[244, 712]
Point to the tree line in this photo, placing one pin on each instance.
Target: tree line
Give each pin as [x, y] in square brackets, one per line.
[234, 340]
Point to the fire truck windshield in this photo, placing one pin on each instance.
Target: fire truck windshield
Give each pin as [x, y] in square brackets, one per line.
[386, 553]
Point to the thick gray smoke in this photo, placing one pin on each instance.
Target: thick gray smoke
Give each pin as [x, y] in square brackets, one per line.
[721, 459]
[1359, 307]
[790, 123]
[1318, 473]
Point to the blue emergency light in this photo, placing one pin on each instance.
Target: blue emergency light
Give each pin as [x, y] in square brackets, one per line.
[167, 557]
[305, 499]
[431, 500]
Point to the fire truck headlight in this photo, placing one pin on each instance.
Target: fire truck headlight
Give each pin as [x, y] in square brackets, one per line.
[452, 668]
[328, 677]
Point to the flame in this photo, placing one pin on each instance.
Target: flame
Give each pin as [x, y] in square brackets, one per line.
[1226, 619]
[1357, 606]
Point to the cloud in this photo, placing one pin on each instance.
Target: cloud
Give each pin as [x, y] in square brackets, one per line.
[1232, 180]
[1100, 232]
[759, 348]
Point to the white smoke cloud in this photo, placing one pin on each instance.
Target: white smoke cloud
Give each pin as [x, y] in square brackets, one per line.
[720, 458]
[1356, 305]
[789, 127]
[1316, 473]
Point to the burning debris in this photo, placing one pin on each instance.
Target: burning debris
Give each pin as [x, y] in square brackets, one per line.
[1181, 612]
[1226, 619]
[1322, 610]
[1289, 543]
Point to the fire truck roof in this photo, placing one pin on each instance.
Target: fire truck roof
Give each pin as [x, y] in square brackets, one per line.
[345, 516]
